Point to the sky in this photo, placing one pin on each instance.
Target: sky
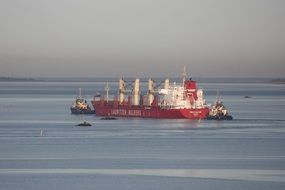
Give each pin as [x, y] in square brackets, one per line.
[142, 38]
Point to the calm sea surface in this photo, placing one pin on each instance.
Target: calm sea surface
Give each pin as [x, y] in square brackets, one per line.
[246, 153]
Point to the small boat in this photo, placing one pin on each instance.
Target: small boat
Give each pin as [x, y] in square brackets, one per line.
[219, 112]
[109, 118]
[247, 97]
[80, 106]
[84, 124]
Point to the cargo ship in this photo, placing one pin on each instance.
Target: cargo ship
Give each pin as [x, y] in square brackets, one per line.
[171, 101]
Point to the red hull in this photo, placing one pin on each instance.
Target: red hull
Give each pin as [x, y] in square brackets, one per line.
[110, 109]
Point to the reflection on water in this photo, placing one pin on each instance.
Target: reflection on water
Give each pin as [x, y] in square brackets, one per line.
[228, 174]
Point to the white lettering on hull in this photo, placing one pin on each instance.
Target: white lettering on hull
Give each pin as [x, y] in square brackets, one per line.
[195, 113]
[134, 113]
[118, 112]
[124, 112]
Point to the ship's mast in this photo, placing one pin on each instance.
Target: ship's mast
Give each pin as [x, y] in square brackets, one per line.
[107, 91]
[166, 87]
[122, 90]
[184, 75]
[150, 93]
[136, 92]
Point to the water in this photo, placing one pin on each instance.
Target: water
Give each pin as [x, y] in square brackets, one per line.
[246, 153]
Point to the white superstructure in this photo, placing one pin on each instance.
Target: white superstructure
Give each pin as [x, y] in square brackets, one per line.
[179, 96]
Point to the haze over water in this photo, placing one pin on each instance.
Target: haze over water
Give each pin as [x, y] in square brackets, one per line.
[146, 38]
[246, 153]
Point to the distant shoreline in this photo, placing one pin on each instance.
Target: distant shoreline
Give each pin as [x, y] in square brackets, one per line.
[12, 79]
[144, 79]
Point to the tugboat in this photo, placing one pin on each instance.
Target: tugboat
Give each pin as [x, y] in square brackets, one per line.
[80, 106]
[219, 112]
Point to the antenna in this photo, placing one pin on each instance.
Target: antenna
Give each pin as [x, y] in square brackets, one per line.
[218, 97]
[80, 93]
